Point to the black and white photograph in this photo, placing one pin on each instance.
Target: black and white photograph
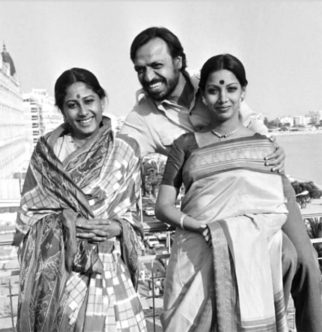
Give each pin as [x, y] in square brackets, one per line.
[160, 165]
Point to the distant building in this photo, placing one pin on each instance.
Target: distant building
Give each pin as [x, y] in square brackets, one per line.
[35, 123]
[287, 120]
[314, 117]
[13, 127]
[43, 115]
[51, 116]
[301, 120]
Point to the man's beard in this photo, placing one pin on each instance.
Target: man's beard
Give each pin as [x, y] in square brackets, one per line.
[170, 86]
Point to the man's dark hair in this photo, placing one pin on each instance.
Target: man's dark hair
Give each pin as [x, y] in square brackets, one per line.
[172, 41]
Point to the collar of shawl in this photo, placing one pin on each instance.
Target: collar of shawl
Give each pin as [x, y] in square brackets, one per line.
[53, 186]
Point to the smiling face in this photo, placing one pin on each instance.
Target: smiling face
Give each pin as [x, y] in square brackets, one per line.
[82, 110]
[157, 71]
[222, 95]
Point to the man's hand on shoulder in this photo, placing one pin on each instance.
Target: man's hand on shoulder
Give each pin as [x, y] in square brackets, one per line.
[276, 160]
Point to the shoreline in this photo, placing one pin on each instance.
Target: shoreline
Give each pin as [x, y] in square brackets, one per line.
[292, 133]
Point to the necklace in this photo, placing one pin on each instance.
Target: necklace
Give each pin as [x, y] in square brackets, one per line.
[225, 135]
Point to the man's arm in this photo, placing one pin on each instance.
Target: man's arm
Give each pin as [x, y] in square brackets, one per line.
[254, 121]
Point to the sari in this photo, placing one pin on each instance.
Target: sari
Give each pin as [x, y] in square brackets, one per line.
[236, 283]
[69, 284]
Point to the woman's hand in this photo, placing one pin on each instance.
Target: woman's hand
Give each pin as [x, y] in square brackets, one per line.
[97, 230]
[276, 158]
[205, 233]
[191, 224]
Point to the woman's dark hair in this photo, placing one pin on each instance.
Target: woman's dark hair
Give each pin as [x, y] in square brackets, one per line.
[172, 41]
[73, 75]
[219, 62]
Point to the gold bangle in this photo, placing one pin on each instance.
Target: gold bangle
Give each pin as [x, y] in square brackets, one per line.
[183, 215]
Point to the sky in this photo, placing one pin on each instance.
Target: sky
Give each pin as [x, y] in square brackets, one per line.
[279, 42]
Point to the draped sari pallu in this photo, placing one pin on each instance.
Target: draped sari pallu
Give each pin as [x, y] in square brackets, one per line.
[68, 284]
[236, 285]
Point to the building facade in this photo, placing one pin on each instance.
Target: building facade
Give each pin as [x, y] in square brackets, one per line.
[43, 116]
[301, 120]
[287, 120]
[13, 125]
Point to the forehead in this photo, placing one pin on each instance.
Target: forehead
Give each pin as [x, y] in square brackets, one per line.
[222, 77]
[155, 49]
[78, 90]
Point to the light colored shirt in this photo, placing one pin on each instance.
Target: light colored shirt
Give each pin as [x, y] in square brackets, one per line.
[155, 125]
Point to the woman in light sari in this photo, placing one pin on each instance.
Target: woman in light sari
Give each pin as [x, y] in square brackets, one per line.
[225, 270]
[76, 228]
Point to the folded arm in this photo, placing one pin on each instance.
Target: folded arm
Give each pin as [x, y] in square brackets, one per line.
[97, 230]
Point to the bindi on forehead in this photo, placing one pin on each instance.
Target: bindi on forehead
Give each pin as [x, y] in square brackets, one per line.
[78, 96]
[221, 82]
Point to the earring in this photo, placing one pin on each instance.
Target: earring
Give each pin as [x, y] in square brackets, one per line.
[204, 101]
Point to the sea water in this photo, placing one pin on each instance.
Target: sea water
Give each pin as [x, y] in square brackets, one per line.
[303, 155]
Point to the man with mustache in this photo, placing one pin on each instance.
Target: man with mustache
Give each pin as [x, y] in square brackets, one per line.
[169, 106]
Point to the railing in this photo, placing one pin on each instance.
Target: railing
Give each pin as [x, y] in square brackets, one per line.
[9, 277]
[156, 276]
[313, 213]
[12, 295]
[317, 240]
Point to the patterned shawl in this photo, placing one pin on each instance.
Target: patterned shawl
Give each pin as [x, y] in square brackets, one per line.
[101, 179]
